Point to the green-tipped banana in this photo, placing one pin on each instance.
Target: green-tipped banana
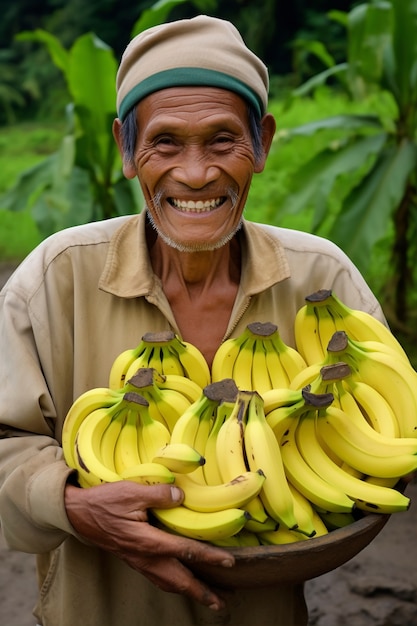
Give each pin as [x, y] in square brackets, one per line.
[179, 457]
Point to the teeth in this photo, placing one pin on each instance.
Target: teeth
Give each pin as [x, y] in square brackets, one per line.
[199, 207]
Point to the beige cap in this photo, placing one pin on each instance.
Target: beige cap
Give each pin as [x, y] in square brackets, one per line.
[202, 51]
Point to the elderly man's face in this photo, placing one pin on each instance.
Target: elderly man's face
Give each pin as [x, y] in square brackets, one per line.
[194, 160]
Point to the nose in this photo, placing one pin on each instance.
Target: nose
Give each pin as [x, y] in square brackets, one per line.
[195, 168]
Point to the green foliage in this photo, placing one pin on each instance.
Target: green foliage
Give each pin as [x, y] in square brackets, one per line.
[83, 180]
[376, 148]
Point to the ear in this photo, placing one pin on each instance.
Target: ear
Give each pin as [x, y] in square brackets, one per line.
[129, 170]
[268, 125]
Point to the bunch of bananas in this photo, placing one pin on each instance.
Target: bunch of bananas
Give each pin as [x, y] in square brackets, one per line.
[257, 360]
[167, 354]
[276, 445]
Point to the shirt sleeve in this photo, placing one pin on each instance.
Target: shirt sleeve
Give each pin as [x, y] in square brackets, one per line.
[33, 472]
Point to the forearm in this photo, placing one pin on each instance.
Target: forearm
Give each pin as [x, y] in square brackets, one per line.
[33, 476]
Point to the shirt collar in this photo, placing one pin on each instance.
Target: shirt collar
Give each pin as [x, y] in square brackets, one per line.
[128, 272]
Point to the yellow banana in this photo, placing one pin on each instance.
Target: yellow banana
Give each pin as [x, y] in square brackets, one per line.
[120, 367]
[232, 494]
[280, 536]
[225, 357]
[392, 377]
[279, 397]
[165, 405]
[306, 332]
[304, 512]
[366, 496]
[148, 474]
[170, 363]
[88, 445]
[230, 439]
[211, 526]
[360, 458]
[375, 407]
[186, 426]
[100, 397]
[263, 452]
[141, 361]
[243, 539]
[126, 451]
[277, 374]
[151, 434]
[336, 520]
[358, 432]
[280, 418]
[291, 361]
[230, 450]
[192, 360]
[242, 368]
[360, 325]
[261, 380]
[110, 437]
[255, 526]
[182, 385]
[326, 326]
[180, 458]
[211, 468]
[316, 489]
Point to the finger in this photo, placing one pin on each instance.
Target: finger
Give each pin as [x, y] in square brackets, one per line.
[155, 541]
[172, 576]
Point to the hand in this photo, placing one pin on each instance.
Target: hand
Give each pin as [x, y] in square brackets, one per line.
[113, 517]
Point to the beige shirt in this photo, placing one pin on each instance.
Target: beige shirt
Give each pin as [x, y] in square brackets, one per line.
[78, 300]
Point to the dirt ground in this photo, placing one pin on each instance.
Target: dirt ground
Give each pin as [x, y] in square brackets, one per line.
[376, 588]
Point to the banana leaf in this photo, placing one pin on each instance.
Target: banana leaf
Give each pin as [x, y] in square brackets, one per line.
[405, 49]
[319, 175]
[367, 210]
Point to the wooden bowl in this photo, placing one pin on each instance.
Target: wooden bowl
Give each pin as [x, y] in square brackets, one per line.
[263, 566]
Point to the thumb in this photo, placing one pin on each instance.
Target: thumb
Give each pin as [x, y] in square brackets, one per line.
[158, 496]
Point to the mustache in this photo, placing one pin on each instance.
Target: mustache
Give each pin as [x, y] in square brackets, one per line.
[160, 193]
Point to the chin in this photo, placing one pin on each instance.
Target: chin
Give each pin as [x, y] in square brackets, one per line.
[193, 246]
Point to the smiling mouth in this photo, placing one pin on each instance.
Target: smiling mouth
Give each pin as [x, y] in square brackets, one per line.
[198, 206]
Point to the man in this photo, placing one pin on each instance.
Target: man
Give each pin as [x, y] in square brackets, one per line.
[193, 128]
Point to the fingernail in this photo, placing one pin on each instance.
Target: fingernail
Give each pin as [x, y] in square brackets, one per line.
[176, 494]
[227, 563]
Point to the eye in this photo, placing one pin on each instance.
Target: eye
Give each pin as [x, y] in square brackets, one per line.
[163, 140]
[222, 141]
[165, 143]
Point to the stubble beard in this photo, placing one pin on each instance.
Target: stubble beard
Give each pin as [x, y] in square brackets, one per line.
[191, 247]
